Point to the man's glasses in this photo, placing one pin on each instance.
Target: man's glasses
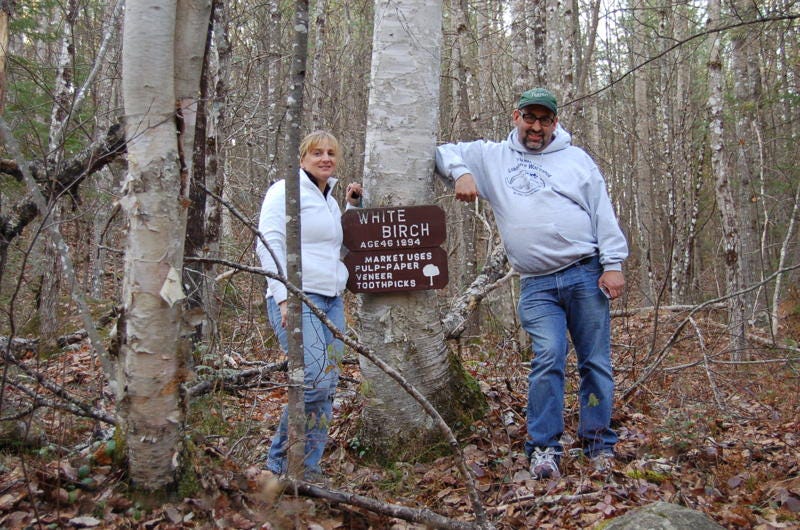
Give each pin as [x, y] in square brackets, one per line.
[545, 121]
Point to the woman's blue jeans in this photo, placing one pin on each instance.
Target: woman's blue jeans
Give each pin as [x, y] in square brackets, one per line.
[322, 353]
[549, 306]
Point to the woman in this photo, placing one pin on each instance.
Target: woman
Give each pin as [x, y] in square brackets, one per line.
[324, 279]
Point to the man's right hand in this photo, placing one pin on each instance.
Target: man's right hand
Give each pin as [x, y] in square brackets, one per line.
[466, 190]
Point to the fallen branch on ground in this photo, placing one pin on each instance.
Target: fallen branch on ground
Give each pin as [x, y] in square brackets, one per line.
[238, 378]
[70, 404]
[422, 516]
[539, 500]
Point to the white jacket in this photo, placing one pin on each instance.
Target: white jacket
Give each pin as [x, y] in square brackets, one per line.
[321, 238]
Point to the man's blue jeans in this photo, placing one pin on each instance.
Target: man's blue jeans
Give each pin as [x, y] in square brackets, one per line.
[549, 306]
[322, 353]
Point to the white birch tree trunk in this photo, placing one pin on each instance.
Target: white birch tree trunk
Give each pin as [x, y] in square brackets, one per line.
[294, 262]
[219, 73]
[192, 39]
[316, 73]
[720, 167]
[191, 30]
[151, 407]
[5, 15]
[746, 88]
[63, 91]
[401, 135]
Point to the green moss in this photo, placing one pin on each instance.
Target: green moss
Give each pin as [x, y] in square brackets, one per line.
[648, 475]
[119, 457]
[471, 402]
[188, 479]
[412, 447]
[460, 405]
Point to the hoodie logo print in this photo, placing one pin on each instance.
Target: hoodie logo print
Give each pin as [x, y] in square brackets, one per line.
[524, 181]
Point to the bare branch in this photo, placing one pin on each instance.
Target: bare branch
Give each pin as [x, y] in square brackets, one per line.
[237, 378]
[687, 40]
[72, 406]
[492, 275]
[92, 159]
[66, 262]
[668, 346]
[423, 516]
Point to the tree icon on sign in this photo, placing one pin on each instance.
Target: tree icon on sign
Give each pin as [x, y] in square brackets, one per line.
[430, 270]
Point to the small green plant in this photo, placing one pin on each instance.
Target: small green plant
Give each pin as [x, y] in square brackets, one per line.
[356, 446]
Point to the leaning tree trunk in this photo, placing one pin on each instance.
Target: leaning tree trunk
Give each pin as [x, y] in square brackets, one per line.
[151, 407]
[404, 327]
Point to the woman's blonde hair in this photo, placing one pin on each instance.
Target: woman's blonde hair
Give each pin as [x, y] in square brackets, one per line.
[316, 138]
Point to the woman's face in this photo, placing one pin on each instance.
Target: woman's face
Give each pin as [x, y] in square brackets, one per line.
[320, 160]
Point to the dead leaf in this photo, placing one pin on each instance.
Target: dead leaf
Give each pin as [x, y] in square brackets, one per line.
[8, 500]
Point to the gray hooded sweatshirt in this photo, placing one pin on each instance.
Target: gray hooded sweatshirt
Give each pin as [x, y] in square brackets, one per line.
[551, 207]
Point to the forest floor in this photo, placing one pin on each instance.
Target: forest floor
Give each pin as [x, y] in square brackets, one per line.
[718, 437]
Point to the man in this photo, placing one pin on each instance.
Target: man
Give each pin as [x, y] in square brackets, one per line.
[562, 237]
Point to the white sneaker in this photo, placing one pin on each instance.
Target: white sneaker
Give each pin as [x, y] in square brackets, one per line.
[603, 461]
[544, 463]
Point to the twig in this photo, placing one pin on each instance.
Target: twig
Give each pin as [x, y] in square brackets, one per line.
[66, 260]
[80, 408]
[714, 388]
[755, 338]
[253, 228]
[671, 308]
[680, 367]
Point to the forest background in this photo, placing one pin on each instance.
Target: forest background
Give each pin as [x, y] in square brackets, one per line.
[690, 109]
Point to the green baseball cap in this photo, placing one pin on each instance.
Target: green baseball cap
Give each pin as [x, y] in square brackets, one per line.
[538, 96]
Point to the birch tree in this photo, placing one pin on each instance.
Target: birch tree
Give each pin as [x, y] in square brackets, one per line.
[6, 7]
[400, 142]
[746, 91]
[156, 74]
[721, 169]
[63, 93]
[294, 262]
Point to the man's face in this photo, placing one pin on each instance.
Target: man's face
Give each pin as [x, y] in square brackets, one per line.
[534, 134]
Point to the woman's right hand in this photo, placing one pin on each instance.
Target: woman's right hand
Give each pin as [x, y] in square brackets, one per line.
[284, 307]
[354, 193]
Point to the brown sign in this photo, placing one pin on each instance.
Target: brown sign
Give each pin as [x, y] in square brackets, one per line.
[371, 229]
[397, 270]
